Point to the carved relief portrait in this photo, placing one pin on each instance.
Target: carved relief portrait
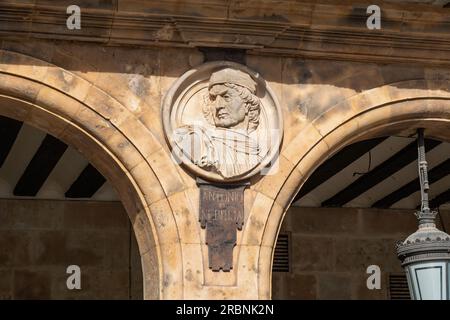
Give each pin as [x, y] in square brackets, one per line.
[222, 121]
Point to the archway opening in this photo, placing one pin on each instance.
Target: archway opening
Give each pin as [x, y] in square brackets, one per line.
[57, 211]
[350, 213]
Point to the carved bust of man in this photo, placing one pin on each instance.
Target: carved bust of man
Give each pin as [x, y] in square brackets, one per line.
[228, 144]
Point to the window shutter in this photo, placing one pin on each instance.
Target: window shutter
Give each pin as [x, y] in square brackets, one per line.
[281, 259]
[398, 287]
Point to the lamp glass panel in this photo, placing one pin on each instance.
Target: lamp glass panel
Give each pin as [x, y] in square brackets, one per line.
[447, 275]
[428, 280]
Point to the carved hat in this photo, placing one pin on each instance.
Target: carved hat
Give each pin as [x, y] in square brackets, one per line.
[229, 75]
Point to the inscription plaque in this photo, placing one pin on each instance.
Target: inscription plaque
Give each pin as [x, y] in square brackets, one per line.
[221, 213]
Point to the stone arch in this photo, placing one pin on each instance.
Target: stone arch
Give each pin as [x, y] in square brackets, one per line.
[117, 143]
[383, 110]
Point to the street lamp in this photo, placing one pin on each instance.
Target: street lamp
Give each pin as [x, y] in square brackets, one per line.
[425, 254]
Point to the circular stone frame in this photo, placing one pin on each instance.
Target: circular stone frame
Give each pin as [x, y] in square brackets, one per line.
[195, 80]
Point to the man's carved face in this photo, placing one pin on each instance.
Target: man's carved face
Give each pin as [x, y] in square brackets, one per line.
[228, 107]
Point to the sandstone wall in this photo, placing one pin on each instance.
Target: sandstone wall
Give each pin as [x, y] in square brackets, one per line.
[325, 104]
[138, 78]
[40, 238]
[331, 249]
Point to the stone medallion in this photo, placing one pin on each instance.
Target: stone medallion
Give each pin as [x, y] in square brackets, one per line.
[222, 121]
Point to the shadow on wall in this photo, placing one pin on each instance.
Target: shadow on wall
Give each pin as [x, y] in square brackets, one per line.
[332, 248]
[41, 238]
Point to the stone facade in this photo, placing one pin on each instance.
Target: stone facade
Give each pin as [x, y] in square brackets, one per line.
[44, 237]
[105, 101]
[332, 248]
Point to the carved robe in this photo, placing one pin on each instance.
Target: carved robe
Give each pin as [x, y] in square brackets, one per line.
[228, 152]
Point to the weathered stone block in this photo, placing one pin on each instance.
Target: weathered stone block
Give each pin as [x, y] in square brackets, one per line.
[6, 284]
[67, 82]
[87, 4]
[125, 150]
[136, 283]
[95, 216]
[312, 253]
[118, 246]
[358, 254]
[18, 88]
[394, 73]
[50, 248]
[379, 222]
[324, 220]
[15, 215]
[271, 184]
[186, 216]
[164, 221]
[334, 286]
[163, 166]
[106, 283]
[46, 122]
[254, 226]
[147, 179]
[301, 143]
[43, 50]
[32, 284]
[140, 136]
[14, 108]
[57, 102]
[291, 286]
[361, 77]
[290, 188]
[150, 275]
[18, 252]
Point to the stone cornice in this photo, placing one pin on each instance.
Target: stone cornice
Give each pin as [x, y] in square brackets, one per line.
[318, 29]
